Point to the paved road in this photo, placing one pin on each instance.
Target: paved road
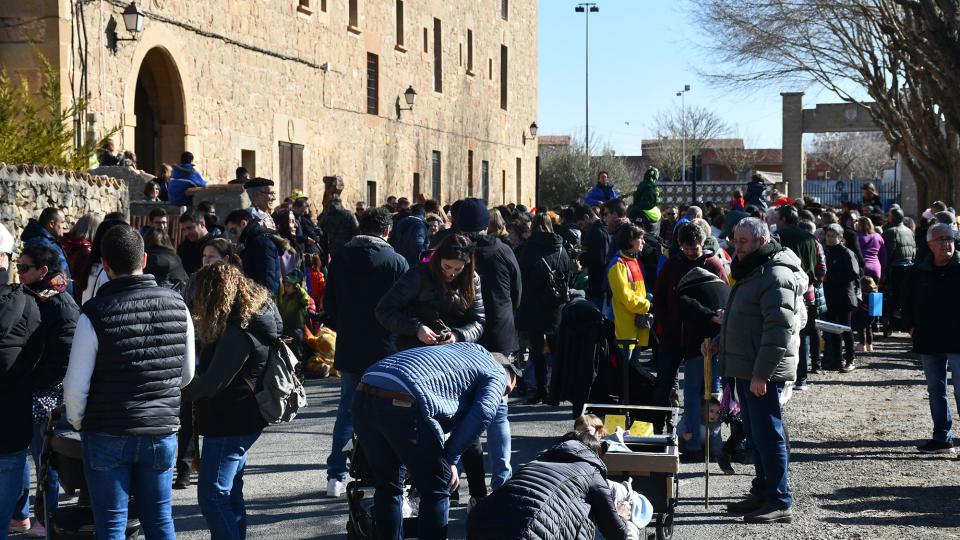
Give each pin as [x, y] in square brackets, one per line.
[286, 472]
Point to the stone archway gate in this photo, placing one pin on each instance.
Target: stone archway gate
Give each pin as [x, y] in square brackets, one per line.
[827, 118]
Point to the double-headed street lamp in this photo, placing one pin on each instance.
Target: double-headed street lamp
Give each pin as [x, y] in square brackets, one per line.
[587, 8]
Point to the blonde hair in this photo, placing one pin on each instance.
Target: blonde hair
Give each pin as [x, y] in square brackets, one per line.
[223, 294]
[497, 227]
[865, 225]
[590, 424]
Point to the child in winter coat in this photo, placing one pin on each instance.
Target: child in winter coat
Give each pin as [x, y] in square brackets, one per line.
[862, 320]
[293, 302]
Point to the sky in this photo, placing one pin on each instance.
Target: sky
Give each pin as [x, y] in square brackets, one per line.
[641, 53]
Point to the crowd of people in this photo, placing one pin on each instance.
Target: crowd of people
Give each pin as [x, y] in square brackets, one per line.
[151, 346]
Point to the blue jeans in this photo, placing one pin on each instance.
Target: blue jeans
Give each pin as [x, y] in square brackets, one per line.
[393, 434]
[11, 484]
[220, 485]
[498, 446]
[52, 489]
[693, 398]
[935, 370]
[117, 467]
[763, 423]
[343, 427]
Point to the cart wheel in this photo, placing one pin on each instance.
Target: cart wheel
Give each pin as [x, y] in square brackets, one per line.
[665, 526]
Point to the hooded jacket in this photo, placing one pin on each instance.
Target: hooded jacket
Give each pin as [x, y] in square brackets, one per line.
[410, 238]
[19, 320]
[628, 297]
[535, 314]
[932, 294]
[35, 234]
[666, 308]
[500, 279]
[184, 177]
[700, 293]
[358, 277]
[760, 336]
[558, 496]
[418, 299]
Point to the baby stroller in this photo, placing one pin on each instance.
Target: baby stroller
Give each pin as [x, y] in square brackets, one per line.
[63, 453]
[360, 524]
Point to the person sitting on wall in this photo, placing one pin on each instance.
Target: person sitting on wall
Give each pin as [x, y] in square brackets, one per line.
[184, 177]
[602, 192]
[242, 176]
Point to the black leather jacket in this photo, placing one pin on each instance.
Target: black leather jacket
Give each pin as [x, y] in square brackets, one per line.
[418, 299]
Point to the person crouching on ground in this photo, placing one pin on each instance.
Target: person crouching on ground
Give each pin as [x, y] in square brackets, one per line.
[563, 491]
[404, 406]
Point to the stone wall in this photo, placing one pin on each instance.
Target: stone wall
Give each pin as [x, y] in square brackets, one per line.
[25, 190]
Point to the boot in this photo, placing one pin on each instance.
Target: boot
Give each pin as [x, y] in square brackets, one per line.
[747, 506]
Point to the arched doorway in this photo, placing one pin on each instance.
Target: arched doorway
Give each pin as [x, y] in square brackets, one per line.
[158, 107]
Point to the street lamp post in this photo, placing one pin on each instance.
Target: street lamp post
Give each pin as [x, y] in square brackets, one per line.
[587, 8]
[683, 137]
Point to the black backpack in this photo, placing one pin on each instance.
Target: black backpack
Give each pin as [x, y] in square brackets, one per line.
[555, 289]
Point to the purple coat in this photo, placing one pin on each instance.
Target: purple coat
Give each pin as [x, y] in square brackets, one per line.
[874, 254]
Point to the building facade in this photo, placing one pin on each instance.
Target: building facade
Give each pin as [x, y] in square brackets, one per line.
[295, 90]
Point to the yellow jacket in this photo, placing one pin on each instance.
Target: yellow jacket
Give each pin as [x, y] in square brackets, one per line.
[629, 297]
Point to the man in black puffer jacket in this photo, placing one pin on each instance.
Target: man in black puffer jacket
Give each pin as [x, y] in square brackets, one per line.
[558, 496]
[132, 352]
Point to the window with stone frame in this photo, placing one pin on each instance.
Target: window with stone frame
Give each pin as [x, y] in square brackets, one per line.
[373, 84]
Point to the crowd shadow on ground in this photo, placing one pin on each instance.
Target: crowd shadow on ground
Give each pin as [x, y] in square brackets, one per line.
[915, 505]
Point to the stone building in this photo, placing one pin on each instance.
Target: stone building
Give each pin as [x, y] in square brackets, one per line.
[298, 89]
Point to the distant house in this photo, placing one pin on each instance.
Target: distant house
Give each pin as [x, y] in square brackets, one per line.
[549, 144]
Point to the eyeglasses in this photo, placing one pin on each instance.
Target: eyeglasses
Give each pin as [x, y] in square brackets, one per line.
[23, 268]
[943, 240]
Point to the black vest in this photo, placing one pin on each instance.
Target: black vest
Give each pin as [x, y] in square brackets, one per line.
[141, 334]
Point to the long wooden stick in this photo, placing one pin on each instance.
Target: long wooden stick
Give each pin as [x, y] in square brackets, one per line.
[705, 412]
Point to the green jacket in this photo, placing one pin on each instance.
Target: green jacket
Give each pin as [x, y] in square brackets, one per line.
[760, 336]
[293, 308]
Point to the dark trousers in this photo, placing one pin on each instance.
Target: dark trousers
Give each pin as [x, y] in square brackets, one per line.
[809, 345]
[392, 434]
[763, 422]
[668, 360]
[840, 315]
[472, 460]
[539, 358]
[737, 435]
[186, 448]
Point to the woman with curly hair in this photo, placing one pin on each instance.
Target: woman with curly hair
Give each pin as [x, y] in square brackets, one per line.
[236, 321]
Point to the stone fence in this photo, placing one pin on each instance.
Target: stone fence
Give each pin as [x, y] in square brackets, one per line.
[25, 190]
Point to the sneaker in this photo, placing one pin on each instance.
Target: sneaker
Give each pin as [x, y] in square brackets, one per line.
[936, 447]
[19, 525]
[335, 488]
[36, 530]
[749, 505]
[769, 514]
[847, 367]
[723, 461]
[801, 386]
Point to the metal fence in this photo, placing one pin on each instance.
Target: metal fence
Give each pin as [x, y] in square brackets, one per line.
[836, 192]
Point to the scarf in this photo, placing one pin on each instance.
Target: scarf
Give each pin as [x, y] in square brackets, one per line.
[741, 268]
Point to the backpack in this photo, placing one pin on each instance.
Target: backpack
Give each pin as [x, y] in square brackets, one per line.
[555, 290]
[281, 395]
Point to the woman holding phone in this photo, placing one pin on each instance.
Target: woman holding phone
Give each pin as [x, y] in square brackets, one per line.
[436, 302]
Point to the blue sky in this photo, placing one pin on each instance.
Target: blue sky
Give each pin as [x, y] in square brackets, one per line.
[641, 53]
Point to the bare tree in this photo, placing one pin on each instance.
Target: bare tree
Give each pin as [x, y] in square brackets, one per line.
[695, 124]
[738, 158]
[854, 155]
[902, 53]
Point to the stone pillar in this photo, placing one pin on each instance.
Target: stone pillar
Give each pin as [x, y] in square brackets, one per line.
[793, 156]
